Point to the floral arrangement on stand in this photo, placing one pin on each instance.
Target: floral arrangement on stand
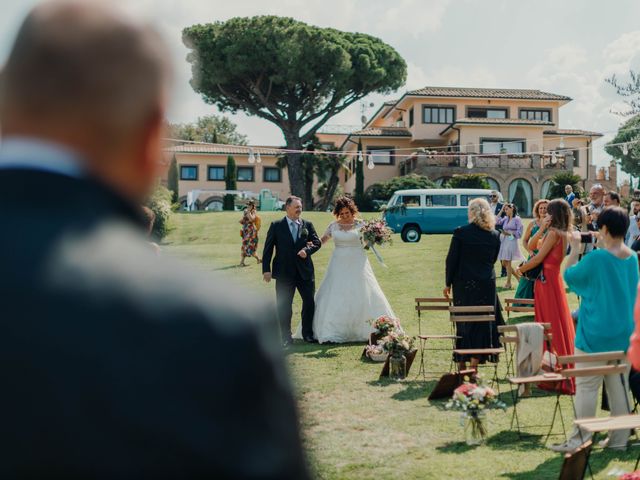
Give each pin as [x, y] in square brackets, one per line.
[398, 345]
[375, 232]
[382, 326]
[473, 399]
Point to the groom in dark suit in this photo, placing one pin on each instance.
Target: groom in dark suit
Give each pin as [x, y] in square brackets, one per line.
[294, 240]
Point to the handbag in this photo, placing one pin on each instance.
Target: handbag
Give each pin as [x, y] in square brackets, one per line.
[534, 274]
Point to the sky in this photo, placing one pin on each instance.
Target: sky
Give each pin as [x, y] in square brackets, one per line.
[566, 47]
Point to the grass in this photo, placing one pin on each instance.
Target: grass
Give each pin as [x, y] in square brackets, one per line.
[358, 427]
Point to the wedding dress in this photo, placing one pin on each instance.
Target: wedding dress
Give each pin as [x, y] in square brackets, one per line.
[349, 297]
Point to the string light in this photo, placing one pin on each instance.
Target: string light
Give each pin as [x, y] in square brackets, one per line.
[252, 158]
[469, 162]
[370, 164]
[258, 159]
[561, 144]
[625, 149]
[554, 158]
[360, 159]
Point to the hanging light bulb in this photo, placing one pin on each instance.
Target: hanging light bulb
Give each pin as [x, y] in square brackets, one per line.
[258, 159]
[469, 162]
[252, 158]
[370, 164]
[561, 144]
[625, 148]
[554, 158]
[360, 159]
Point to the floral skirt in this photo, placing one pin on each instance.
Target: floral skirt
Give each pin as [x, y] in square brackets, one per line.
[249, 239]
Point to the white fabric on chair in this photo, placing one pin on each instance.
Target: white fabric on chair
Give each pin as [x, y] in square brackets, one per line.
[529, 348]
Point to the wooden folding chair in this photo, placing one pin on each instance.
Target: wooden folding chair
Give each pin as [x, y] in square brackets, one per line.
[616, 365]
[521, 305]
[478, 314]
[509, 339]
[441, 304]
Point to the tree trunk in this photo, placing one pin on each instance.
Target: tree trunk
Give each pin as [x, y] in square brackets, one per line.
[295, 168]
[332, 185]
[307, 200]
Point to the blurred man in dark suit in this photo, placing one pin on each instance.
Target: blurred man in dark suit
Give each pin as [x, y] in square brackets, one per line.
[115, 363]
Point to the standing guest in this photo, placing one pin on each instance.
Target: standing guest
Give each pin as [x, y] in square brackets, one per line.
[580, 215]
[525, 285]
[511, 232]
[551, 301]
[150, 220]
[606, 318]
[116, 363]
[496, 208]
[596, 196]
[611, 199]
[470, 273]
[633, 231]
[568, 190]
[250, 225]
[635, 246]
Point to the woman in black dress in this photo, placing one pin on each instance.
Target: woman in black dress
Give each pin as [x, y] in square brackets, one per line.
[470, 271]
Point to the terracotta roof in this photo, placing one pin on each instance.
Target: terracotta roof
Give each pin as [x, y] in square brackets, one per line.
[220, 149]
[487, 93]
[383, 132]
[569, 132]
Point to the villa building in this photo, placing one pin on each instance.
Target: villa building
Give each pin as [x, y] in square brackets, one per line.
[512, 136]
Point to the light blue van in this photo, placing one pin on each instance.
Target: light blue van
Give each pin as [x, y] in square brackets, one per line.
[414, 212]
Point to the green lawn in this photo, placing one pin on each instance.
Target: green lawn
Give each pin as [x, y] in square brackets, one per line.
[356, 426]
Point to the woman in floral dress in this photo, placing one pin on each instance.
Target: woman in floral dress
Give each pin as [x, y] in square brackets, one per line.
[250, 226]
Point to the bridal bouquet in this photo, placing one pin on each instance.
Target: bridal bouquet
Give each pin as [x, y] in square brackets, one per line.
[375, 232]
[472, 399]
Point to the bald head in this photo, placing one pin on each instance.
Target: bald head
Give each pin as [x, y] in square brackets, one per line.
[84, 63]
[83, 74]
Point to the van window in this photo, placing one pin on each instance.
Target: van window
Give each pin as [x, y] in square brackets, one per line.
[411, 200]
[441, 201]
[465, 199]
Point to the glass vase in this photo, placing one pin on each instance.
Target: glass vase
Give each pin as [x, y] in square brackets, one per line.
[475, 427]
[397, 367]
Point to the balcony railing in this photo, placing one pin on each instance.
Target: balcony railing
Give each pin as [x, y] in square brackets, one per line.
[503, 161]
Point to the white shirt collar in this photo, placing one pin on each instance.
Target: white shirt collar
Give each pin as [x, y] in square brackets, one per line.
[296, 222]
[32, 153]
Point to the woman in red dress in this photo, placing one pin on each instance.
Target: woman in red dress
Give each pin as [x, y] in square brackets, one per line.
[550, 298]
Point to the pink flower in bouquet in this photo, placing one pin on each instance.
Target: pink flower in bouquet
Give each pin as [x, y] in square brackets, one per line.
[631, 476]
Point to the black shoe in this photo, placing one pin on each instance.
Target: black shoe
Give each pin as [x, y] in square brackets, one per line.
[310, 340]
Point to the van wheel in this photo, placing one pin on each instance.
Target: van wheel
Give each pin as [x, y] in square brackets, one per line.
[411, 234]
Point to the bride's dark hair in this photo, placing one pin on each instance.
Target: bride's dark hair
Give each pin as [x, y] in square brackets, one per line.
[345, 202]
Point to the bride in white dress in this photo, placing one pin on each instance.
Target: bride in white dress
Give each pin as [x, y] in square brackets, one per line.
[349, 297]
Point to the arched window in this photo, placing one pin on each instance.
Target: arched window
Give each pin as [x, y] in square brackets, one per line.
[521, 193]
[544, 190]
[493, 184]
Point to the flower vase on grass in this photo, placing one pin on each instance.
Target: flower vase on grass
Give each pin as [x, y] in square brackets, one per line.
[397, 345]
[473, 400]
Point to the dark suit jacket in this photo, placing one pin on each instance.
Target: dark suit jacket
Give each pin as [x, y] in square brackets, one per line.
[472, 255]
[286, 261]
[115, 363]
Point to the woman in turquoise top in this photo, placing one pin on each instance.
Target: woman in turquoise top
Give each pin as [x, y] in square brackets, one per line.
[525, 286]
[606, 281]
